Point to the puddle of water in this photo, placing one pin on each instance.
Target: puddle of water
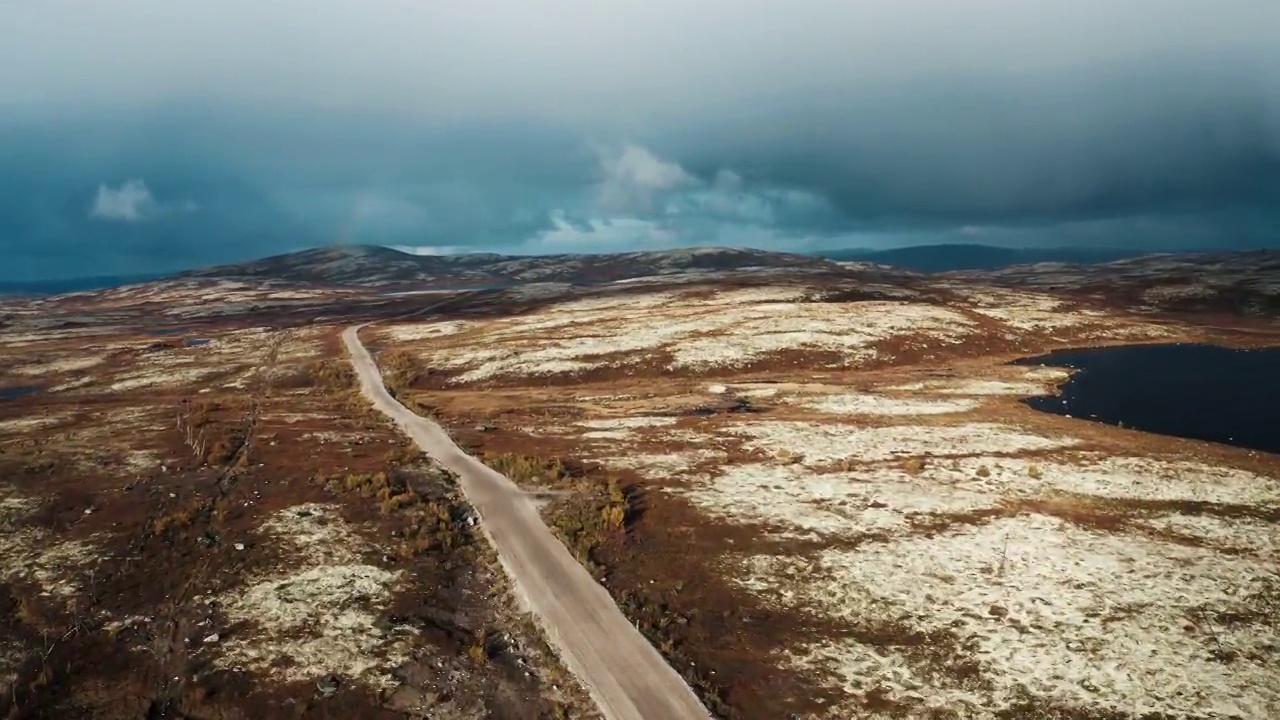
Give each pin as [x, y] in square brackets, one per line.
[166, 331]
[196, 342]
[13, 393]
[1205, 392]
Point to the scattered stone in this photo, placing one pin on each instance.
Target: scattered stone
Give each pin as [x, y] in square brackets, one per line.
[328, 685]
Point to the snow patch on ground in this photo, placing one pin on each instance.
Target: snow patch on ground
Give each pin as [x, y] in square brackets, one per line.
[1044, 611]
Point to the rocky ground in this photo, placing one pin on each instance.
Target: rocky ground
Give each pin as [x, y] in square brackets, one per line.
[818, 494]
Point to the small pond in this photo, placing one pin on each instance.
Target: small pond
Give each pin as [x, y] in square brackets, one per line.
[1206, 392]
[13, 393]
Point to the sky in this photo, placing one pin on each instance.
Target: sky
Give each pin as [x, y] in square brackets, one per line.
[142, 136]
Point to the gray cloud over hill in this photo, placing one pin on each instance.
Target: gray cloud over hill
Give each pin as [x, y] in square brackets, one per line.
[550, 125]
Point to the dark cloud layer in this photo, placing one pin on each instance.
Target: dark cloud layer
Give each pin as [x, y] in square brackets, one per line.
[157, 139]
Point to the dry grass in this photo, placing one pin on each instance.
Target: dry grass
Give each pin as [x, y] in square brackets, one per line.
[530, 469]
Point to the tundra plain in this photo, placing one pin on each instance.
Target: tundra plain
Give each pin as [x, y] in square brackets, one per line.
[818, 498]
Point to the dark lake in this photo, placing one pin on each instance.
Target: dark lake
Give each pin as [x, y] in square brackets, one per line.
[13, 393]
[1206, 392]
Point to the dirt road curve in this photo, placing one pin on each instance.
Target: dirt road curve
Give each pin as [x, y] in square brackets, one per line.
[626, 676]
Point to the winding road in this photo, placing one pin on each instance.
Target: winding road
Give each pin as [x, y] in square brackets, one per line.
[627, 678]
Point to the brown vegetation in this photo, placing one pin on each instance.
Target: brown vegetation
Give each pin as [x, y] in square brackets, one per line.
[530, 469]
[400, 370]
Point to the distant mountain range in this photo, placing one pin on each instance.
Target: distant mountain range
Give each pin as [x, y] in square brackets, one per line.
[951, 258]
[70, 285]
[372, 265]
[376, 265]
[1243, 282]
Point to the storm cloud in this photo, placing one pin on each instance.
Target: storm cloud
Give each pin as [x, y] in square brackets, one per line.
[552, 125]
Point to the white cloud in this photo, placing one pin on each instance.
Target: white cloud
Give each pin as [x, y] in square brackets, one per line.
[635, 178]
[604, 235]
[132, 202]
[430, 249]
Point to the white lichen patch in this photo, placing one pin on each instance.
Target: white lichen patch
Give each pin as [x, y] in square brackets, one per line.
[1232, 534]
[1031, 312]
[320, 612]
[323, 621]
[628, 422]
[802, 502]
[163, 377]
[622, 427]
[991, 387]
[55, 367]
[1147, 479]
[1048, 374]
[1094, 476]
[141, 461]
[406, 332]
[745, 334]
[59, 567]
[11, 658]
[33, 555]
[666, 467]
[26, 424]
[73, 384]
[1185, 291]
[730, 329]
[768, 294]
[1046, 612]
[317, 530]
[819, 444]
[291, 418]
[871, 404]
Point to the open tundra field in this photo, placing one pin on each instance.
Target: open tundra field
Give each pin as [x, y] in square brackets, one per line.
[818, 495]
[211, 524]
[840, 507]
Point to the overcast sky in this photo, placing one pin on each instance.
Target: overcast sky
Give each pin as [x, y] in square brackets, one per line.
[151, 135]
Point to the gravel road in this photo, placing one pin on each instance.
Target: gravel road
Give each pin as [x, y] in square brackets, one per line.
[627, 678]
